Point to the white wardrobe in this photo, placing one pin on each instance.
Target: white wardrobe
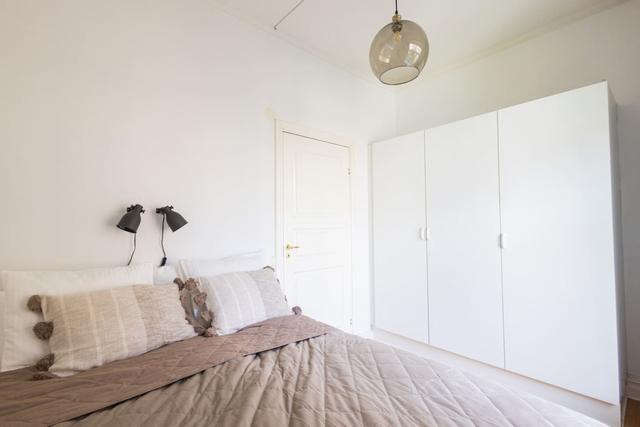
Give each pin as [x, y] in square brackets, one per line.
[497, 238]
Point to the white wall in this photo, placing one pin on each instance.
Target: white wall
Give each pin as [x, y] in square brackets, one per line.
[104, 104]
[605, 46]
[108, 103]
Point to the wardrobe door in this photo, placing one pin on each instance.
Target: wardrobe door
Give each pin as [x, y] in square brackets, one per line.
[463, 217]
[559, 277]
[399, 252]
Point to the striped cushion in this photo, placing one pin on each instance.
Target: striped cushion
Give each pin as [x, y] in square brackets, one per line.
[241, 299]
[95, 328]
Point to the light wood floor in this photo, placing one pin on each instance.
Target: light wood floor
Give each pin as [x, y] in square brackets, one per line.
[632, 417]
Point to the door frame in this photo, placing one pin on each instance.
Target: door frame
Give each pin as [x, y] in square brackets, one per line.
[282, 128]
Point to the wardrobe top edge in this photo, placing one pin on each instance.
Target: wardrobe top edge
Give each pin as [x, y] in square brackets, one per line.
[604, 84]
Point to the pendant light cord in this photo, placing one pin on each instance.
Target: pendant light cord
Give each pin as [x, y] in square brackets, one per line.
[396, 7]
[275, 27]
[135, 235]
[164, 253]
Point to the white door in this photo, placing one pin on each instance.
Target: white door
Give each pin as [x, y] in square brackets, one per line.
[317, 228]
[559, 275]
[399, 248]
[463, 216]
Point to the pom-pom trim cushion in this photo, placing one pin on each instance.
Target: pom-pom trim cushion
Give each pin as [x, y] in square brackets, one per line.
[238, 300]
[92, 329]
[194, 302]
[20, 347]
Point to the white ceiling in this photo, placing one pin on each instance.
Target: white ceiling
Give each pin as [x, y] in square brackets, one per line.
[340, 31]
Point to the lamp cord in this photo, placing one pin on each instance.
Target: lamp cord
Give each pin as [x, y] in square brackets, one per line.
[135, 235]
[396, 7]
[164, 253]
[275, 27]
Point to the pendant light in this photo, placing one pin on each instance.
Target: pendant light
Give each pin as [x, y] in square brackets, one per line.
[399, 51]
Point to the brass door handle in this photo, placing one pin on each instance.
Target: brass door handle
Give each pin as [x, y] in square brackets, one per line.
[290, 247]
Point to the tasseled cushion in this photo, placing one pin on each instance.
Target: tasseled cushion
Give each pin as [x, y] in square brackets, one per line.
[45, 363]
[40, 376]
[35, 304]
[194, 302]
[43, 330]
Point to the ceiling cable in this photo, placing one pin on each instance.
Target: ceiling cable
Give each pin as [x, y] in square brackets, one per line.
[275, 27]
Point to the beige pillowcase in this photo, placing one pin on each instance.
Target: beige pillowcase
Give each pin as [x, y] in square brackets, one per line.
[21, 347]
[92, 329]
[237, 300]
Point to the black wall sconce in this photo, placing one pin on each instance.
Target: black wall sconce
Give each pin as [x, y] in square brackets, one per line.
[174, 220]
[130, 222]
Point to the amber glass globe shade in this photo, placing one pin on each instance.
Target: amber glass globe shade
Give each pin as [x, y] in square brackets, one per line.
[398, 56]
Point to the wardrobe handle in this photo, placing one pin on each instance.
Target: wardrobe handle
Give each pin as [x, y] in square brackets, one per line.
[425, 233]
[504, 241]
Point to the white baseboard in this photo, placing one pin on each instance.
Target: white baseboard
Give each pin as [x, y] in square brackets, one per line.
[633, 388]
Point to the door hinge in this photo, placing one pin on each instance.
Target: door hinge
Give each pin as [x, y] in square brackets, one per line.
[349, 171]
[351, 322]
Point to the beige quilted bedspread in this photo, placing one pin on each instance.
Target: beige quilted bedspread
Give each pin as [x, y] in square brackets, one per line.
[334, 380]
[285, 371]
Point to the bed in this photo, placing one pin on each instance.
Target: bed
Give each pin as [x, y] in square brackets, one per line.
[289, 370]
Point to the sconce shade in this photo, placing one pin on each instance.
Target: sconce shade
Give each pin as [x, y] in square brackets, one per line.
[175, 221]
[131, 220]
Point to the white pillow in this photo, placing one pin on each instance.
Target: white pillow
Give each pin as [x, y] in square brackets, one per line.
[21, 347]
[249, 261]
[164, 275]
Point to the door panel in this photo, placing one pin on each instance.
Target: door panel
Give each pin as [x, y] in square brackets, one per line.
[559, 289]
[400, 255]
[320, 293]
[463, 215]
[317, 228]
[319, 182]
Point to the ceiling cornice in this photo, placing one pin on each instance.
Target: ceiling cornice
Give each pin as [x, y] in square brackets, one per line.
[316, 53]
[430, 73]
[538, 32]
